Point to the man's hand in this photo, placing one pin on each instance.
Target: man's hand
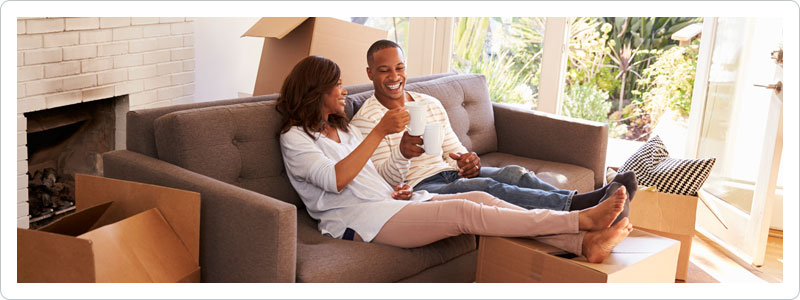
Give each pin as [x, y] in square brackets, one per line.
[469, 164]
[409, 146]
[393, 121]
[402, 192]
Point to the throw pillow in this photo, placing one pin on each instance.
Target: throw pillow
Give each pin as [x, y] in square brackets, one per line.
[681, 176]
[645, 159]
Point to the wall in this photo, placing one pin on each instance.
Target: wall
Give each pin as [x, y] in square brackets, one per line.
[220, 49]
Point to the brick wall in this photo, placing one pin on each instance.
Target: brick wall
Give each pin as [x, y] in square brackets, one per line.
[63, 61]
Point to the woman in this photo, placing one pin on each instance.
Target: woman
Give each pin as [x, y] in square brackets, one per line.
[328, 164]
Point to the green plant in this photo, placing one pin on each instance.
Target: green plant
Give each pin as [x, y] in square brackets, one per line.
[502, 80]
[667, 84]
[586, 102]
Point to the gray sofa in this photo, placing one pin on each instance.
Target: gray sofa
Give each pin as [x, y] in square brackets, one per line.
[254, 228]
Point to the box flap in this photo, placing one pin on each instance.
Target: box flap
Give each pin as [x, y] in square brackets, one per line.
[180, 208]
[142, 248]
[638, 246]
[50, 257]
[79, 222]
[664, 212]
[274, 27]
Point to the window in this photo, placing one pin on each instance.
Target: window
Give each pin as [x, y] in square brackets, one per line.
[396, 26]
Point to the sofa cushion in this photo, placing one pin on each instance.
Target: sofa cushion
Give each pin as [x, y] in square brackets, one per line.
[560, 175]
[469, 108]
[325, 259]
[236, 144]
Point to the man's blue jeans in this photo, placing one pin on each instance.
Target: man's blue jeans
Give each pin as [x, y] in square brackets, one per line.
[514, 184]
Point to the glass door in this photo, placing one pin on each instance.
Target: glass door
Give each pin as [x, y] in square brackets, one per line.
[740, 125]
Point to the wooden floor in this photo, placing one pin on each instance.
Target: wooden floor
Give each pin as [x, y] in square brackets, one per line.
[708, 264]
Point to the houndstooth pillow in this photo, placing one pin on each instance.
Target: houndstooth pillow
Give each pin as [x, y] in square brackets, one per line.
[681, 176]
[653, 167]
[646, 159]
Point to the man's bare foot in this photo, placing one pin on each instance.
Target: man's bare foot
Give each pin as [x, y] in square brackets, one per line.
[597, 245]
[602, 215]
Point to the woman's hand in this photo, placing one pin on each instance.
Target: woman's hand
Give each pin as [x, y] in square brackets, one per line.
[402, 192]
[395, 120]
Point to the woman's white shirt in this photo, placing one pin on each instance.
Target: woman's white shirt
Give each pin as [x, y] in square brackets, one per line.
[364, 205]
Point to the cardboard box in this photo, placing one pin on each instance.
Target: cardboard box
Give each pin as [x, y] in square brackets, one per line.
[667, 215]
[288, 40]
[641, 257]
[121, 231]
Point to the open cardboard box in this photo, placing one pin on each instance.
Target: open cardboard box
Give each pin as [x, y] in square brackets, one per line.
[121, 231]
[641, 257]
[667, 215]
[288, 40]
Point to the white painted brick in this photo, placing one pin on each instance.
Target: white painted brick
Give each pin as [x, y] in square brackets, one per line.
[20, 58]
[24, 222]
[22, 138]
[157, 82]
[188, 65]
[44, 25]
[143, 21]
[182, 53]
[170, 20]
[22, 181]
[20, 90]
[112, 49]
[170, 92]
[22, 122]
[183, 78]
[142, 98]
[170, 42]
[182, 100]
[20, 27]
[127, 33]
[188, 89]
[170, 67]
[156, 57]
[22, 166]
[60, 39]
[22, 154]
[114, 22]
[157, 104]
[189, 19]
[22, 208]
[33, 57]
[129, 60]
[80, 81]
[25, 42]
[30, 73]
[182, 28]
[80, 52]
[128, 87]
[136, 46]
[98, 64]
[46, 86]
[142, 72]
[112, 76]
[97, 93]
[62, 69]
[29, 104]
[156, 30]
[63, 99]
[95, 36]
[188, 40]
[82, 23]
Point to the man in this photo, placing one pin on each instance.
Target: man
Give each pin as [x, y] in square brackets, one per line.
[400, 159]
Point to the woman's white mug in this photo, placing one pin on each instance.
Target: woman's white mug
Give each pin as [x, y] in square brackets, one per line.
[432, 138]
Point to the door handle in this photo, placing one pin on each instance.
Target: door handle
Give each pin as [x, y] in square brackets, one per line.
[776, 86]
[777, 55]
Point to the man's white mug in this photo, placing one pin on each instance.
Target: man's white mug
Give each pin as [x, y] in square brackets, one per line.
[416, 110]
[432, 138]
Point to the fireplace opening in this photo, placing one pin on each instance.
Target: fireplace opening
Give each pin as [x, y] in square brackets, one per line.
[62, 142]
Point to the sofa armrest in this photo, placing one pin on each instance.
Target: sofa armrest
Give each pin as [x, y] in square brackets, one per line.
[244, 236]
[551, 137]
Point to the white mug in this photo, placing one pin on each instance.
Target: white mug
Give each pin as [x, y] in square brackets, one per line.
[432, 138]
[416, 125]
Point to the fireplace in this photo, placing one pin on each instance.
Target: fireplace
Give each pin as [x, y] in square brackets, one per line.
[64, 141]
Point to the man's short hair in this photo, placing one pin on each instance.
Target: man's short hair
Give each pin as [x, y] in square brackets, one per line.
[380, 45]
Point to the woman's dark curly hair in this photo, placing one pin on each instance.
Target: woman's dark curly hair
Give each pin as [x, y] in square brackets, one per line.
[301, 99]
